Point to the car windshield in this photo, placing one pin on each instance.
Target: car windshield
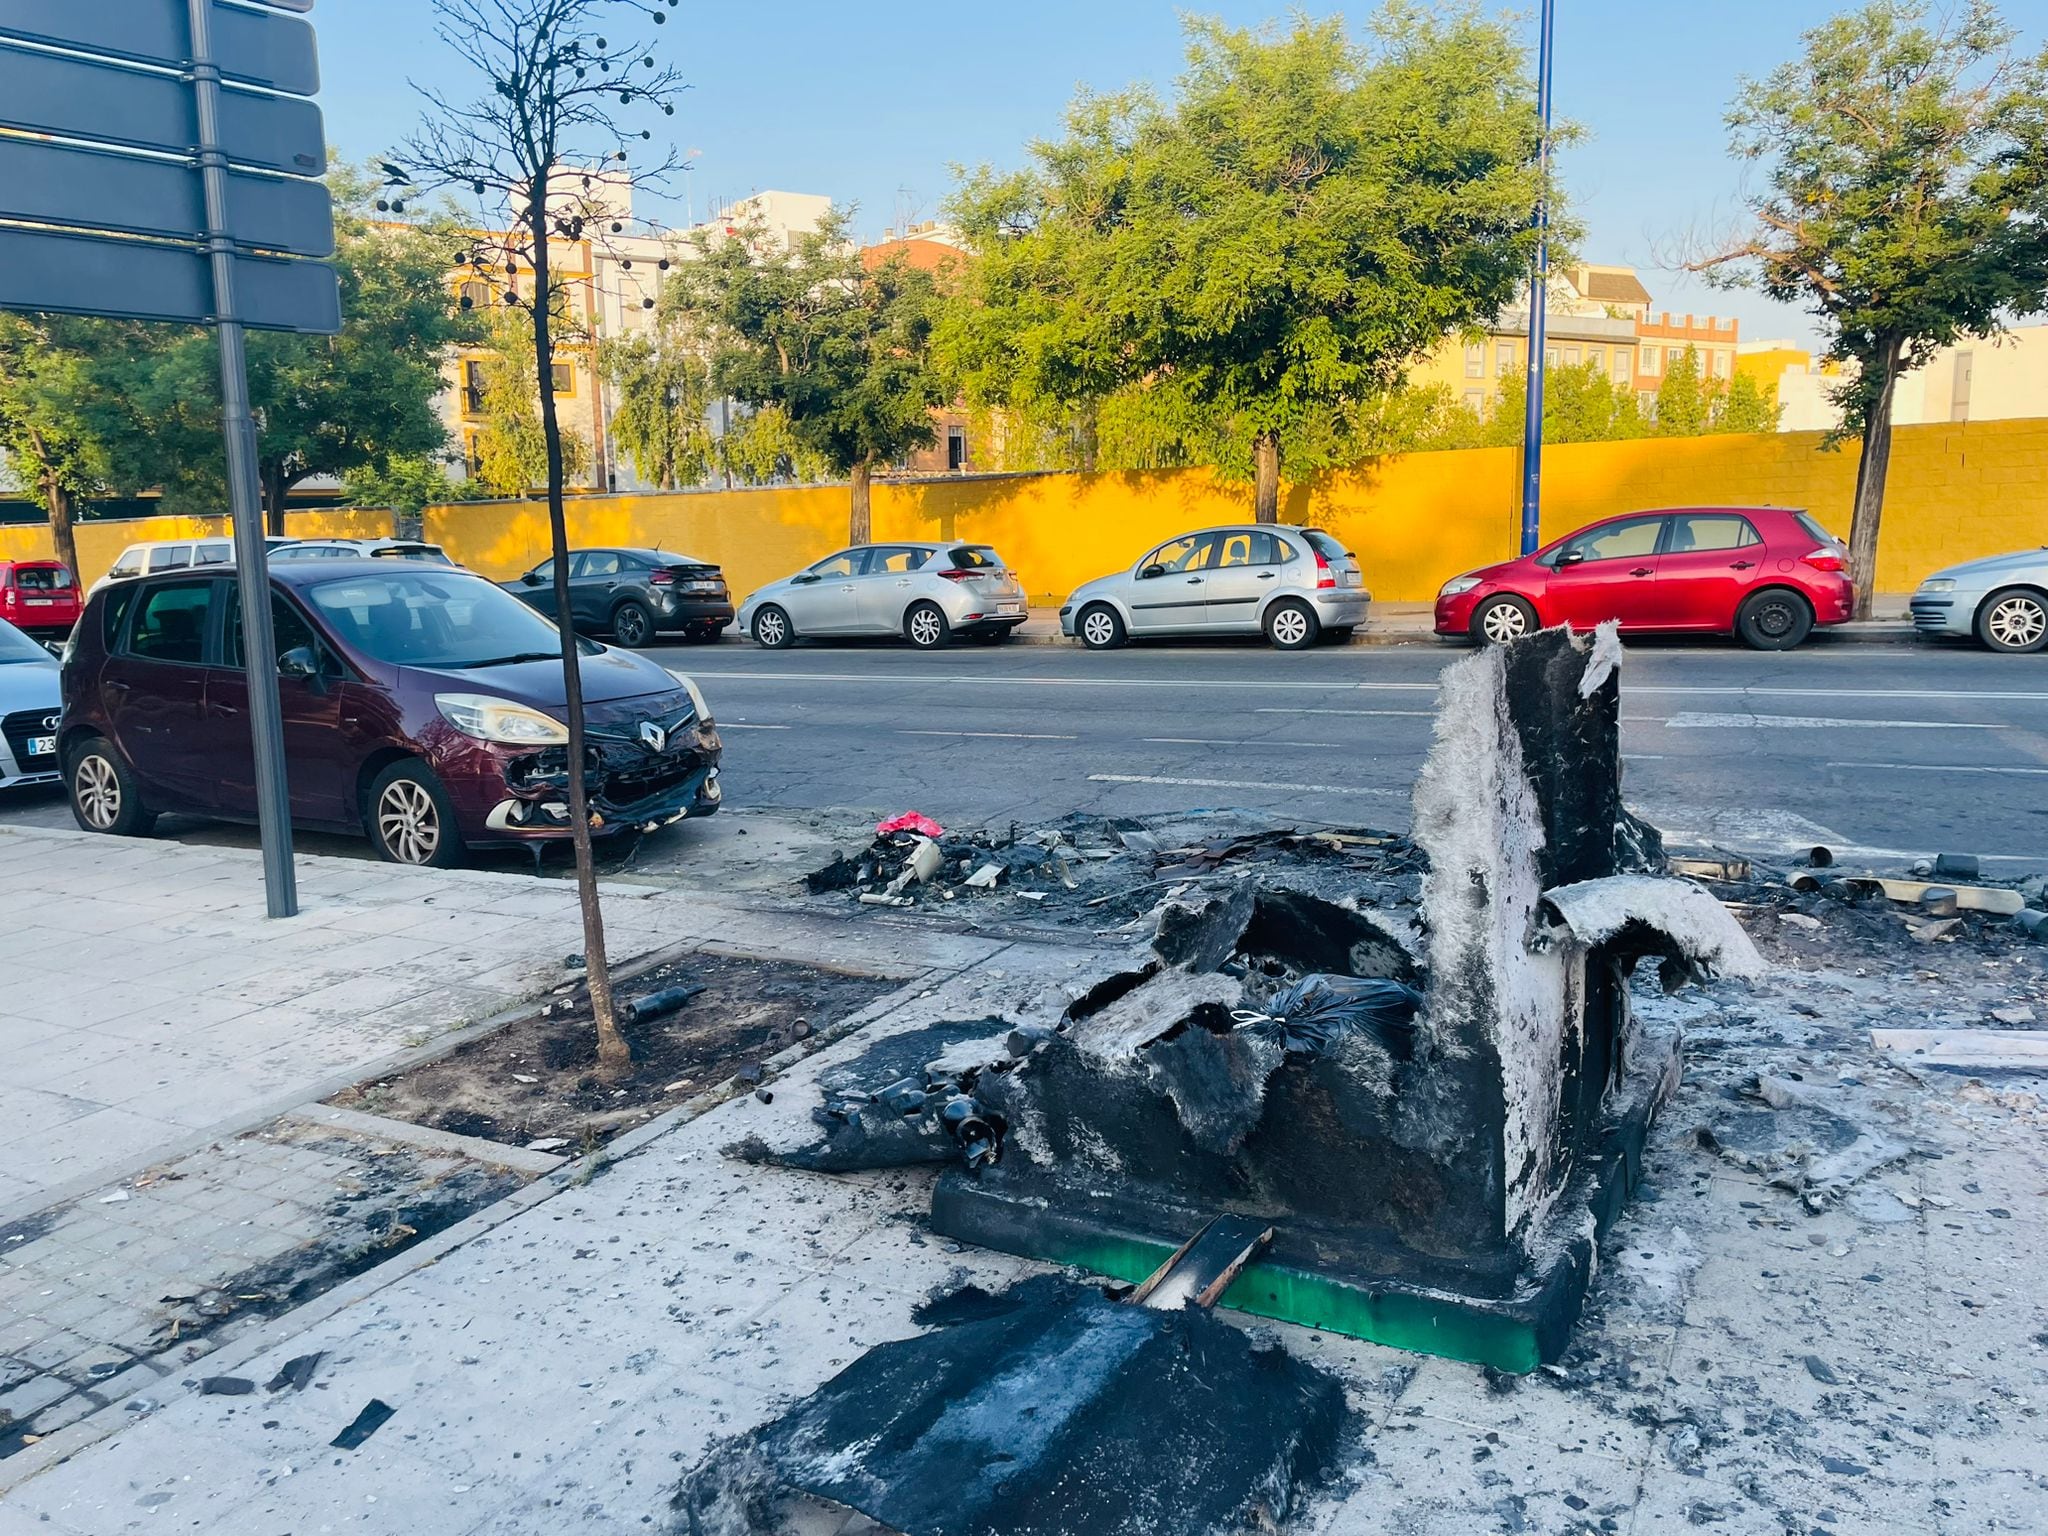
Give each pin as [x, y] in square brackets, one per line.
[422, 619]
[16, 648]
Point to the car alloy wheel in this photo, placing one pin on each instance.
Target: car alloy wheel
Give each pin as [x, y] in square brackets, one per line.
[926, 627]
[408, 821]
[2017, 622]
[1098, 628]
[631, 626]
[771, 629]
[98, 790]
[1504, 622]
[1290, 627]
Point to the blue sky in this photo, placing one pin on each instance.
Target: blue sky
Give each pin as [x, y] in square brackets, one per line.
[873, 103]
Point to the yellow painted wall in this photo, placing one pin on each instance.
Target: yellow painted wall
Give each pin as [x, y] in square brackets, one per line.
[1956, 492]
[100, 542]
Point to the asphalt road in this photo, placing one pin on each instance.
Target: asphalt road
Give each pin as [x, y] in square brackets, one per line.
[1882, 752]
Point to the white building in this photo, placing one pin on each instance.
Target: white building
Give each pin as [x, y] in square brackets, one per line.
[1991, 379]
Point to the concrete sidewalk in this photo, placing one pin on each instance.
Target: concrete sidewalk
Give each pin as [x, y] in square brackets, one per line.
[152, 1008]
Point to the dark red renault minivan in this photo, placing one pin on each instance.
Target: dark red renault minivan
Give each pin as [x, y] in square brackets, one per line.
[423, 707]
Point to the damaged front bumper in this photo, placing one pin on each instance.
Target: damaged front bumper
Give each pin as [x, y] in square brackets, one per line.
[627, 781]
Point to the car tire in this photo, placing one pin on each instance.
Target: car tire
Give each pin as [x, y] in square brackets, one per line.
[2014, 620]
[1775, 619]
[105, 796]
[1292, 626]
[772, 629]
[410, 818]
[926, 627]
[1100, 628]
[1501, 619]
[632, 625]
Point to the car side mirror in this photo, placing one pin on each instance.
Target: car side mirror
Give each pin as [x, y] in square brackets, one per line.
[55, 648]
[298, 662]
[531, 578]
[1572, 557]
[804, 578]
[1150, 571]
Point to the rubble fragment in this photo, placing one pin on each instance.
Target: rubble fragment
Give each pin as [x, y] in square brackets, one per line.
[1045, 1410]
[376, 1413]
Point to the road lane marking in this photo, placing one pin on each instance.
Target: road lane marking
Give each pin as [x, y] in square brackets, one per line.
[1689, 721]
[1267, 685]
[1204, 741]
[993, 735]
[741, 725]
[1939, 768]
[1298, 789]
[1402, 714]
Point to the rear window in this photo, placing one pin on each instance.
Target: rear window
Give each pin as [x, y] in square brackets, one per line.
[1812, 525]
[1324, 545]
[975, 557]
[43, 578]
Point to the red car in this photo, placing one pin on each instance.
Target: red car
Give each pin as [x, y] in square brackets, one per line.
[38, 597]
[1766, 575]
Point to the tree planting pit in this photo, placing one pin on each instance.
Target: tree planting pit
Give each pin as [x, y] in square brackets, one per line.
[537, 1080]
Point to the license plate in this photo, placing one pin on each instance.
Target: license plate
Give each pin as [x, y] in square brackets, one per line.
[42, 602]
[1009, 607]
[1354, 578]
[42, 746]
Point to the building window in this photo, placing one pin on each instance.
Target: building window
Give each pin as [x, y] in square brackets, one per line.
[473, 452]
[1650, 362]
[1672, 357]
[1475, 401]
[1596, 359]
[473, 388]
[956, 449]
[1504, 356]
[475, 294]
[1571, 357]
[1550, 357]
[1475, 361]
[563, 378]
[1624, 369]
[1721, 365]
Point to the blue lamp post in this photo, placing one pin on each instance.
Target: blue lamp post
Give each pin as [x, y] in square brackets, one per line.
[1539, 282]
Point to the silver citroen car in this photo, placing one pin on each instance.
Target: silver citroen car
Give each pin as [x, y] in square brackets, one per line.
[2001, 600]
[927, 593]
[1292, 585]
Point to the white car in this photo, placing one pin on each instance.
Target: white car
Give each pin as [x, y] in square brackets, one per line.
[31, 700]
[362, 549]
[176, 555]
[927, 593]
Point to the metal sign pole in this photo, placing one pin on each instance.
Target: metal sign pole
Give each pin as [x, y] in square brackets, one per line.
[1539, 303]
[252, 573]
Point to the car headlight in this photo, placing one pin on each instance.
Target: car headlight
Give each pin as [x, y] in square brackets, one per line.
[1458, 584]
[696, 697]
[1938, 584]
[500, 720]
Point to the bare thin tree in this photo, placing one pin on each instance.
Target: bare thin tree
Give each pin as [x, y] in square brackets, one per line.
[563, 86]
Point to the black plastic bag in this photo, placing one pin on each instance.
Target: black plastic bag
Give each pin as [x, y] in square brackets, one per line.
[1317, 1011]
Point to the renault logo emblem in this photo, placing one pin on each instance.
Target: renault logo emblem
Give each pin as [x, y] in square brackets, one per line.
[653, 736]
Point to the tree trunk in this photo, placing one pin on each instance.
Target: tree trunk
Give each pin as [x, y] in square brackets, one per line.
[859, 526]
[1266, 477]
[1090, 430]
[1870, 477]
[61, 537]
[614, 1056]
[275, 488]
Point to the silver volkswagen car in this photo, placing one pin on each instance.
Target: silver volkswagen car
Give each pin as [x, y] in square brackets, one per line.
[1292, 585]
[927, 593]
[2002, 600]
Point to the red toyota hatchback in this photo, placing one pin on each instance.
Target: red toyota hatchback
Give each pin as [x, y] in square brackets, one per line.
[1766, 575]
[38, 597]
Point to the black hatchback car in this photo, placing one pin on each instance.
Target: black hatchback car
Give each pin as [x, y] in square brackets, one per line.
[422, 706]
[633, 595]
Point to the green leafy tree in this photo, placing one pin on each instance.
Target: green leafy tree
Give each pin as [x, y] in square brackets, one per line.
[408, 487]
[760, 447]
[1309, 217]
[1685, 398]
[844, 353]
[52, 448]
[1747, 406]
[512, 447]
[1904, 202]
[661, 394]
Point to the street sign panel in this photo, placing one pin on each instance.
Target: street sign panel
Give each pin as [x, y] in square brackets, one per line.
[134, 280]
[111, 103]
[94, 189]
[266, 48]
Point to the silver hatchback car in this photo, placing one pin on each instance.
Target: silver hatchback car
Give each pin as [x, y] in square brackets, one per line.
[1292, 585]
[2002, 600]
[927, 593]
